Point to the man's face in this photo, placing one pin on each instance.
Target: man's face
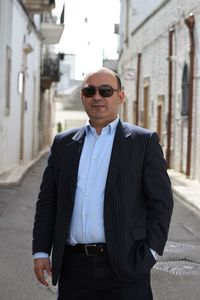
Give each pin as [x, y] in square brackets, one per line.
[100, 109]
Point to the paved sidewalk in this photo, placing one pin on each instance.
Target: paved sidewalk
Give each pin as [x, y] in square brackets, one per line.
[14, 175]
[183, 188]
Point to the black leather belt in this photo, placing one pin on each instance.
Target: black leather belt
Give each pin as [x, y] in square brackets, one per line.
[88, 249]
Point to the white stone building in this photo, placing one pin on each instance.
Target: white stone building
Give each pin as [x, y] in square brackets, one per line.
[24, 96]
[159, 63]
[20, 47]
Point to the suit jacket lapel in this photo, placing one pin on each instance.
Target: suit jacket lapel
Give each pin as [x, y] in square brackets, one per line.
[72, 156]
[121, 147]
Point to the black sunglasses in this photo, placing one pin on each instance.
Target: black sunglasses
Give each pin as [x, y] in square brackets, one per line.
[104, 90]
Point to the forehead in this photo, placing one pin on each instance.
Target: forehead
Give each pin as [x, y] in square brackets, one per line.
[101, 78]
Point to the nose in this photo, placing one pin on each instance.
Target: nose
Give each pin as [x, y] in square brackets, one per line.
[97, 96]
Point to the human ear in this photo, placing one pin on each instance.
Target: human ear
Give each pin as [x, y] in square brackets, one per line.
[121, 97]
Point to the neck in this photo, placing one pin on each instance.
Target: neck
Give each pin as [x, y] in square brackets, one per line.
[98, 125]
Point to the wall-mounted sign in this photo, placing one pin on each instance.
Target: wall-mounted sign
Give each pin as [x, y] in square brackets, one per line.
[129, 74]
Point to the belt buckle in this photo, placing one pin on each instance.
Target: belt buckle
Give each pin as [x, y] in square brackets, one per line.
[88, 253]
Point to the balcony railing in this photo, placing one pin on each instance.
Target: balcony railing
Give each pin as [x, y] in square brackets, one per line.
[37, 6]
[50, 71]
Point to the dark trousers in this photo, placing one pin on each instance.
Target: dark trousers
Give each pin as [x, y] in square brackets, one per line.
[91, 278]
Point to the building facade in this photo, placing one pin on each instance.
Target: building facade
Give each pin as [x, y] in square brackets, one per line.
[19, 85]
[159, 63]
[24, 130]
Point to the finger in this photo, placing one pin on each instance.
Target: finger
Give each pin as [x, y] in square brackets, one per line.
[39, 267]
[39, 273]
[48, 269]
[40, 277]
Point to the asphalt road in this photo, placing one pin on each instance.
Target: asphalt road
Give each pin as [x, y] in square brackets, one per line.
[17, 281]
[176, 276]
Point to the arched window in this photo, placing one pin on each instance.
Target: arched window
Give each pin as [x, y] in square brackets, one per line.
[185, 91]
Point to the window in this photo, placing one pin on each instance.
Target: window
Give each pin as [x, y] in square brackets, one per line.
[185, 91]
[20, 83]
[160, 118]
[7, 80]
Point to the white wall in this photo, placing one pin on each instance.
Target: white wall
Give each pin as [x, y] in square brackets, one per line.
[17, 31]
[140, 9]
[5, 39]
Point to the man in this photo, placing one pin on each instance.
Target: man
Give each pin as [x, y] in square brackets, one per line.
[105, 203]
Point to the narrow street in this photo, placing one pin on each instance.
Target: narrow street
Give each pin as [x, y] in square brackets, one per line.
[175, 276]
[17, 204]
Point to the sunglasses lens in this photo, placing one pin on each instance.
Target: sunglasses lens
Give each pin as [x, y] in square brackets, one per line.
[89, 91]
[106, 91]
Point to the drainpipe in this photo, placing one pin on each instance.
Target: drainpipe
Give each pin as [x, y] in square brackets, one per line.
[190, 22]
[137, 89]
[170, 80]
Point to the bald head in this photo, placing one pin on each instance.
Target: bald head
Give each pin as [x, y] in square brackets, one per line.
[103, 71]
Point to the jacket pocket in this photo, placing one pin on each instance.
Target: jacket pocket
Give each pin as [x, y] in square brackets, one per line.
[138, 233]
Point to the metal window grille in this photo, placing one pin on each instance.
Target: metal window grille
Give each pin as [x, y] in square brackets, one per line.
[185, 91]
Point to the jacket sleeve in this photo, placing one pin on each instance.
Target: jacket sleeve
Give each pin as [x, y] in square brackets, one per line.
[45, 208]
[158, 194]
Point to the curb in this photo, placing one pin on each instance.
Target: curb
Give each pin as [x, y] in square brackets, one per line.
[15, 175]
[189, 197]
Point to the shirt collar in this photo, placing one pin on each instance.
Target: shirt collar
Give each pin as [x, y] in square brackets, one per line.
[108, 129]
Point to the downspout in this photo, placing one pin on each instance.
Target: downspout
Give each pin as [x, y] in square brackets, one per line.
[190, 22]
[137, 89]
[170, 80]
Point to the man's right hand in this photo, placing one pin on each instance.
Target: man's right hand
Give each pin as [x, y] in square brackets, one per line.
[41, 265]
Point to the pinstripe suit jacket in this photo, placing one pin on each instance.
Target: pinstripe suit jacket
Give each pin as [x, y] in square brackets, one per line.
[137, 206]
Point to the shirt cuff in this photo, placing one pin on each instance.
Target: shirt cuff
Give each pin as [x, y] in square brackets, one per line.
[40, 255]
[153, 252]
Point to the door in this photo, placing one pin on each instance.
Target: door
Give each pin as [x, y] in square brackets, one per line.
[146, 107]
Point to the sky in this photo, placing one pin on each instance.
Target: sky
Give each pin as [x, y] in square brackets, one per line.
[89, 32]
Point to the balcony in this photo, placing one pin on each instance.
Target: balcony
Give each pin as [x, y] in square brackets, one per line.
[50, 70]
[52, 27]
[51, 33]
[37, 6]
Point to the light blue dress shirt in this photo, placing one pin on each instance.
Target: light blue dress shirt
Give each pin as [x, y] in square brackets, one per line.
[87, 224]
